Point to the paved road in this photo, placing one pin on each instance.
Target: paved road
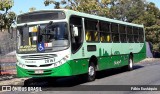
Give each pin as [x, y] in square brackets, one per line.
[146, 73]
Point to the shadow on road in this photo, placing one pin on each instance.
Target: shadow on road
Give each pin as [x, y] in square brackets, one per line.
[72, 81]
[55, 82]
[111, 72]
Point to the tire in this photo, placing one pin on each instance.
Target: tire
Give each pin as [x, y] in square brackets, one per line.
[91, 75]
[130, 64]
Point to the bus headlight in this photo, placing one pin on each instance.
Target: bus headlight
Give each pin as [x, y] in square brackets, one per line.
[21, 65]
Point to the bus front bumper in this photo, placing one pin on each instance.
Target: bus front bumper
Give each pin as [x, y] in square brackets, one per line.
[63, 70]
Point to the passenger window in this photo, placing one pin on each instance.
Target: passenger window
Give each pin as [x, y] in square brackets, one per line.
[123, 34]
[141, 35]
[105, 35]
[115, 32]
[130, 37]
[136, 34]
[91, 27]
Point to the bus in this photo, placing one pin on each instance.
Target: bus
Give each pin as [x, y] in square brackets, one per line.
[62, 43]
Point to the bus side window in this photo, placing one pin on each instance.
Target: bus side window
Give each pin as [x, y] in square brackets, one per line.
[123, 34]
[130, 37]
[136, 34]
[91, 28]
[102, 38]
[104, 28]
[108, 38]
[96, 36]
[141, 35]
[115, 33]
[88, 36]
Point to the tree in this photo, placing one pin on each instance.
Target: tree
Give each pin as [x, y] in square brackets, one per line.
[152, 35]
[98, 7]
[147, 19]
[152, 9]
[56, 3]
[127, 10]
[151, 16]
[32, 9]
[6, 17]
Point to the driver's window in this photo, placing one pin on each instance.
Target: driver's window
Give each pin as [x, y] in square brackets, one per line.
[56, 31]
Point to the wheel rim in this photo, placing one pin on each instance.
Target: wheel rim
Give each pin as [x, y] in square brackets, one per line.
[130, 63]
[91, 70]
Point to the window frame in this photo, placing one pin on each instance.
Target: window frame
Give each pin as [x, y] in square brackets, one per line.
[141, 34]
[123, 33]
[136, 34]
[130, 34]
[115, 33]
[107, 32]
[92, 30]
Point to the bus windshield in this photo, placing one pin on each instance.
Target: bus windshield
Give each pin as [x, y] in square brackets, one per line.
[52, 37]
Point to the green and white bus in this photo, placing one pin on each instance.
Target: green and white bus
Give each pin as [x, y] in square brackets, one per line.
[61, 42]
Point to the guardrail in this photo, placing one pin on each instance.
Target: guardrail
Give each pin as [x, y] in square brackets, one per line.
[7, 64]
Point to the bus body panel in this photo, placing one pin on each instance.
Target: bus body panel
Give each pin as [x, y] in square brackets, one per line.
[109, 55]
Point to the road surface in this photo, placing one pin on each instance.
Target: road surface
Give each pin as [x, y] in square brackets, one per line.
[145, 73]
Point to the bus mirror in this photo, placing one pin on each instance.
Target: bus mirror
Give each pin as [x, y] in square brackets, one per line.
[75, 30]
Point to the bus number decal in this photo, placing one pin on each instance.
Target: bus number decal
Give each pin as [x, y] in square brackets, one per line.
[49, 60]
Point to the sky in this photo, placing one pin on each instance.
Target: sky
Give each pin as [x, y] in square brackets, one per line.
[24, 5]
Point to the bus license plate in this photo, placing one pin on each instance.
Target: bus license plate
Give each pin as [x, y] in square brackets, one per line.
[38, 71]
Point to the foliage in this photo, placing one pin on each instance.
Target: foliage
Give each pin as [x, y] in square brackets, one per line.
[48, 2]
[6, 17]
[127, 10]
[98, 7]
[150, 17]
[32, 9]
[152, 35]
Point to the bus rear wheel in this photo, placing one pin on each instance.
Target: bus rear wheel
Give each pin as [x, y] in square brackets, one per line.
[91, 72]
[130, 64]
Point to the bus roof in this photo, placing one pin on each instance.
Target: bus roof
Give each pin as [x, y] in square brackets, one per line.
[71, 12]
[85, 15]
